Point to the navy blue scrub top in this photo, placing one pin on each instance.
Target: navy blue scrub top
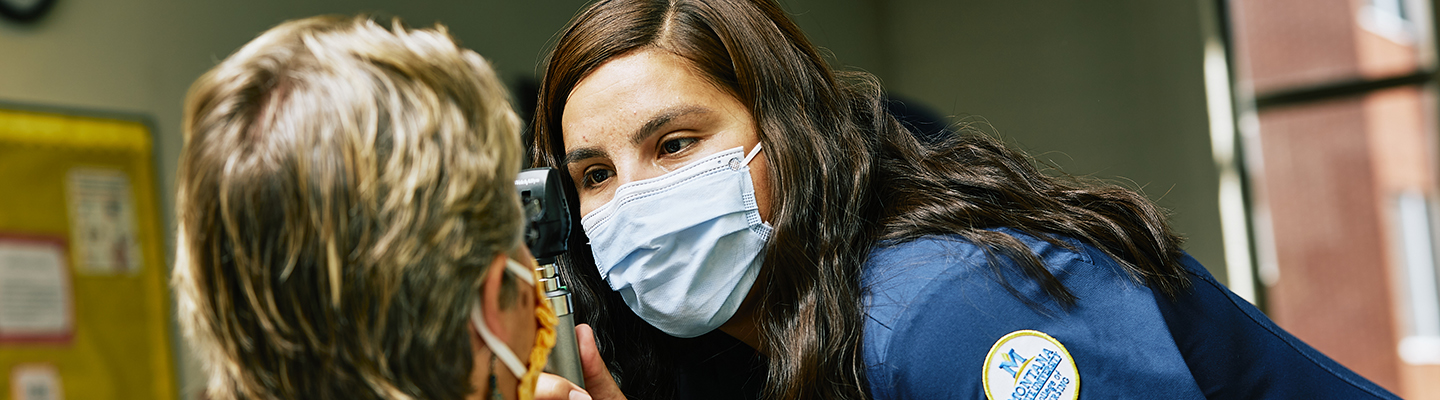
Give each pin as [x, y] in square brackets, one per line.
[935, 309]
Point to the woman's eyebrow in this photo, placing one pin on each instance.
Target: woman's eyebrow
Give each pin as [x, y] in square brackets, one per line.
[664, 117]
[582, 154]
[644, 132]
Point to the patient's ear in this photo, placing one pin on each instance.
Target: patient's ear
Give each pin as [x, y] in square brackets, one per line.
[490, 297]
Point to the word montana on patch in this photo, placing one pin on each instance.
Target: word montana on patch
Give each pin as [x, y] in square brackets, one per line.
[1030, 365]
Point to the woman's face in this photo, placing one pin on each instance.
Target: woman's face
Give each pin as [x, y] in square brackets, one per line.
[645, 113]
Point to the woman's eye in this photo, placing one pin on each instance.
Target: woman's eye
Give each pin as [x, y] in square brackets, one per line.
[673, 146]
[596, 176]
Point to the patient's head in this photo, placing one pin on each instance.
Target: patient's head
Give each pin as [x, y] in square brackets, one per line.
[345, 196]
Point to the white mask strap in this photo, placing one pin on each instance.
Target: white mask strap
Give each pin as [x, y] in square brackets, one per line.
[501, 350]
[525, 274]
[496, 346]
[752, 154]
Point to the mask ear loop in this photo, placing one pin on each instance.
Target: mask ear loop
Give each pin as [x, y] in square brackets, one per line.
[498, 347]
[754, 152]
[525, 274]
[751, 156]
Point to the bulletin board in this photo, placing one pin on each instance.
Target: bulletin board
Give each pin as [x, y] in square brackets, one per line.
[84, 309]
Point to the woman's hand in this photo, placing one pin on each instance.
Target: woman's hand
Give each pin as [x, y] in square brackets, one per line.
[553, 387]
[597, 377]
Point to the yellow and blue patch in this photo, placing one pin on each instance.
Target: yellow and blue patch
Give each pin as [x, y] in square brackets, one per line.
[1030, 365]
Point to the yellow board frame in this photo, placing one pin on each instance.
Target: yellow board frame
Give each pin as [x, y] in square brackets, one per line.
[120, 347]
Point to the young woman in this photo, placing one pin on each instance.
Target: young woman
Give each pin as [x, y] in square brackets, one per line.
[756, 225]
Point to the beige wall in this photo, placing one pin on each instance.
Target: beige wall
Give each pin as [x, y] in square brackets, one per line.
[1108, 88]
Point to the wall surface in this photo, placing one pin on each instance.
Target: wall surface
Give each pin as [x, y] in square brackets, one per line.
[1112, 89]
[1108, 89]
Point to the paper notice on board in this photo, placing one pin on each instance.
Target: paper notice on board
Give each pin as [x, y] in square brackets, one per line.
[34, 291]
[102, 222]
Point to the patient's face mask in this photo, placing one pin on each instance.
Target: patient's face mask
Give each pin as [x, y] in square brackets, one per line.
[683, 248]
[545, 320]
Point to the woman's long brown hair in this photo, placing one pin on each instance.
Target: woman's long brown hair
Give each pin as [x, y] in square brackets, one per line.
[846, 177]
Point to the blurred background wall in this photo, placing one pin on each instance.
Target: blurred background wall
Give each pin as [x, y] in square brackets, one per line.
[1114, 89]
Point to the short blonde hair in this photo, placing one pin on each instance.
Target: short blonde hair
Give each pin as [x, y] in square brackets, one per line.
[342, 189]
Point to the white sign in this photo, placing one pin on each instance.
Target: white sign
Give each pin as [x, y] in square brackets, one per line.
[35, 300]
[35, 382]
[102, 222]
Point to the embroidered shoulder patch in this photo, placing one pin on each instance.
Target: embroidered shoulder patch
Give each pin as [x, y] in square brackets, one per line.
[1030, 365]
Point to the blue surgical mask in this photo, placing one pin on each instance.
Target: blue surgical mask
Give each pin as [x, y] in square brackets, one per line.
[683, 248]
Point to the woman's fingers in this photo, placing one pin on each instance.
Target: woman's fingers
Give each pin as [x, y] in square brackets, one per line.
[597, 377]
[553, 387]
